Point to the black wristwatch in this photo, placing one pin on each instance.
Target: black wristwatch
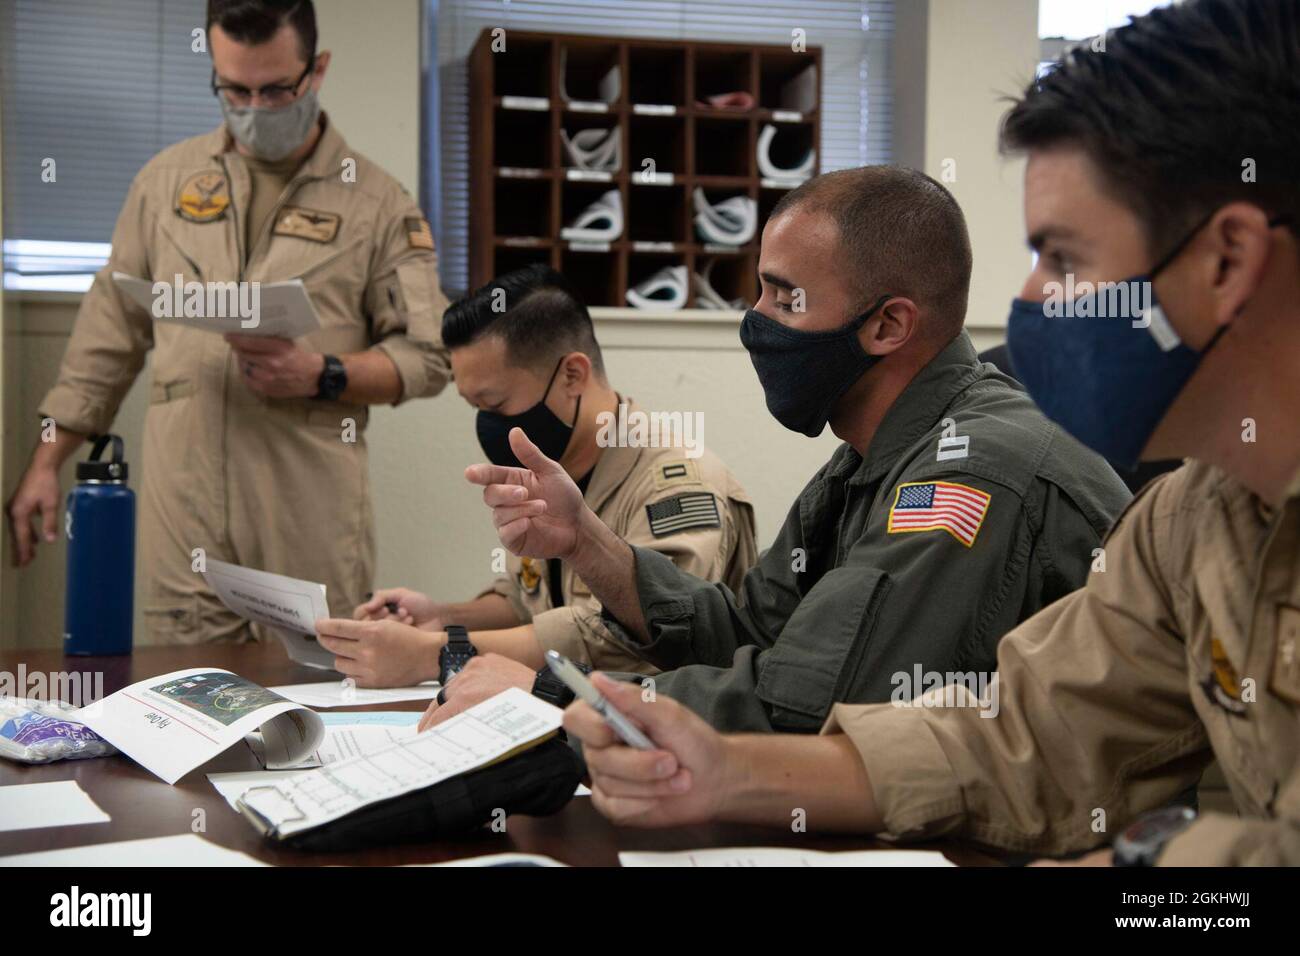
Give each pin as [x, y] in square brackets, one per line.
[455, 654]
[333, 379]
[1145, 838]
[548, 687]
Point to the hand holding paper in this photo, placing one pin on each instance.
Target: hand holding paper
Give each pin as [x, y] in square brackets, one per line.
[281, 309]
[288, 606]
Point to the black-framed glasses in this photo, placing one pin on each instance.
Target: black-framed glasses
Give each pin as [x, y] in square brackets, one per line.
[273, 95]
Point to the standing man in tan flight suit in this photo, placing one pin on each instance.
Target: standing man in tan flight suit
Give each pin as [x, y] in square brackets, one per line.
[537, 363]
[1184, 645]
[254, 447]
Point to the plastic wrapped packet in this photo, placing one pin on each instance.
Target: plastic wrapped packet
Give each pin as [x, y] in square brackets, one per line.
[40, 731]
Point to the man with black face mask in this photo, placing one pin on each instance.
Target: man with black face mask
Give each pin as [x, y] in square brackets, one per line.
[524, 354]
[952, 511]
[254, 446]
[1176, 227]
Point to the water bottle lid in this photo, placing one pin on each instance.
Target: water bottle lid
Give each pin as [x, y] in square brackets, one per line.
[95, 470]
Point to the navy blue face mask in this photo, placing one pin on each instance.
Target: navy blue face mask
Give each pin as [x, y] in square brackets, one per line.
[803, 373]
[1105, 365]
[542, 426]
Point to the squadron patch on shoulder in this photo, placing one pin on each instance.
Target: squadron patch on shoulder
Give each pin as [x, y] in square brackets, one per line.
[204, 197]
[939, 506]
[529, 576]
[694, 509]
[1222, 686]
[418, 233]
[309, 224]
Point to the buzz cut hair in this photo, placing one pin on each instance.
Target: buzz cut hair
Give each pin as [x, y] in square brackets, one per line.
[901, 234]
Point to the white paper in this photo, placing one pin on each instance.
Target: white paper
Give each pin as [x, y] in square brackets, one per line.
[183, 850]
[61, 803]
[500, 859]
[471, 739]
[231, 786]
[283, 309]
[341, 742]
[339, 694]
[175, 722]
[288, 606]
[784, 856]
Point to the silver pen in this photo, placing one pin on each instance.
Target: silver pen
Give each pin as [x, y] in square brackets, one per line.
[577, 682]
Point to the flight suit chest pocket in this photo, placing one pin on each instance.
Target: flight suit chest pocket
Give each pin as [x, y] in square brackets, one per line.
[815, 661]
[335, 279]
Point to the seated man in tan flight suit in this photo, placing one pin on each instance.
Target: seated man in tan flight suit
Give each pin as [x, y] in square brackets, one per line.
[254, 447]
[523, 352]
[1184, 645]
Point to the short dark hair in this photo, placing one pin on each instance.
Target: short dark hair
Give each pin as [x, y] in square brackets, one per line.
[1174, 106]
[901, 233]
[256, 21]
[536, 311]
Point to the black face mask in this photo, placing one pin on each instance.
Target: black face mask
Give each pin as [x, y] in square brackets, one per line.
[543, 428]
[803, 374]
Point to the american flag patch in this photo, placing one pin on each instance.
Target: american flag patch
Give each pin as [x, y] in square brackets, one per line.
[697, 509]
[939, 506]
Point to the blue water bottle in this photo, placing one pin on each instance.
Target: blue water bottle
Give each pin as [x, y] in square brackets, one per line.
[100, 524]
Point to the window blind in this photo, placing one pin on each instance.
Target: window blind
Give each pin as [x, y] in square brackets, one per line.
[97, 86]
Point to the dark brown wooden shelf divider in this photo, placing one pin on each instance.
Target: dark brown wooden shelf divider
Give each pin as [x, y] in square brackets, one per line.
[524, 189]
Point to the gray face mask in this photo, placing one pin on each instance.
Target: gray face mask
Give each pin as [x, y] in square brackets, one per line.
[272, 134]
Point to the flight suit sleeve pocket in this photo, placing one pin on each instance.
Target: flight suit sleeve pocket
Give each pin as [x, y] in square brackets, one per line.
[814, 661]
[407, 326]
[406, 303]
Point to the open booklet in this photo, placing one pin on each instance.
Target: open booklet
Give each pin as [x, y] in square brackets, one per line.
[288, 606]
[499, 727]
[175, 722]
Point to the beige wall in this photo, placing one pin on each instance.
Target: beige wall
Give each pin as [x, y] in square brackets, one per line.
[432, 528]
[955, 60]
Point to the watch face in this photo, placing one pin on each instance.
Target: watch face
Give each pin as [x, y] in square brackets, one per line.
[453, 662]
[1141, 843]
[1160, 825]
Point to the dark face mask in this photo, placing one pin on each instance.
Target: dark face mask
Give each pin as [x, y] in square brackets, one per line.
[803, 374]
[539, 423]
[1107, 375]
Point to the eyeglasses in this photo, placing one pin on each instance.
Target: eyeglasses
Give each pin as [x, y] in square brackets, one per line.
[273, 95]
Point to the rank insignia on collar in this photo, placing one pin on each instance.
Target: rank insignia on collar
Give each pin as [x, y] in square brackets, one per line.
[307, 224]
[203, 197]
[1222, 686]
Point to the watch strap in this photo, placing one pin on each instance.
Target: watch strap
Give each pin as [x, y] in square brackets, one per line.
[548, 687]
[333, 379]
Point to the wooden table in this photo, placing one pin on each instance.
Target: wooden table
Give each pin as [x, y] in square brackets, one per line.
[142, 806]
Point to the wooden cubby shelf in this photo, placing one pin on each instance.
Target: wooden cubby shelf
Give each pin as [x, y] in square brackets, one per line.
[653, 94]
